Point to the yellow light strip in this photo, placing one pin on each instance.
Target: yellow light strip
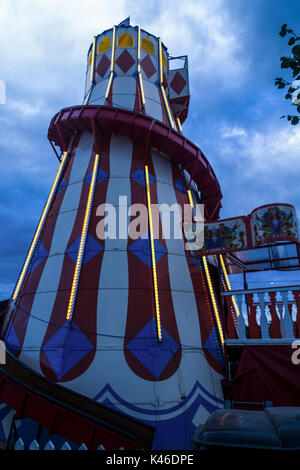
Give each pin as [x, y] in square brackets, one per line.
[167, 106]
[210, 286]
[93, 60]
[228, 285]
[142, 88]
[113, 50]
[153, 257]
[139, 67]
[112, 63]
[161, 79]
[190, 198]
[179, 124]
[39, 227]
[213, 298]
[82, 240]
[162, 87]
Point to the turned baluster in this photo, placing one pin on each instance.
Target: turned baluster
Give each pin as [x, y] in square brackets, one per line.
[264, 326]
[275, 322]
[254, 330]
[287, 327]
[296, 295]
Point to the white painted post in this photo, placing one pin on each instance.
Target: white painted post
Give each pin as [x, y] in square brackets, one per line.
[287, 321]
[83, 447]
[34, 445]
[66, 446]
[264, 327]
[49, 446]
[241, 320]
[19, 445]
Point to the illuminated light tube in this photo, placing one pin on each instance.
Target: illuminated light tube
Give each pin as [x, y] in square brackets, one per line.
[40, 226]
[213, 299]
[82, 240]
[190, 198]
[162, 87]
[139, 68]
[93, 60]
[111, 64]
[167, 106]
[210, 286]
[141, 88]
[160, 62]
[156, 298]
[228, 284]
[179, 124]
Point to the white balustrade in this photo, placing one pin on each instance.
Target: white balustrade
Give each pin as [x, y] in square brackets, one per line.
[261, 306]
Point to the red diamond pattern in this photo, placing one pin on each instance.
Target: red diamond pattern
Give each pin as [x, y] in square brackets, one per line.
[103, 65]
[125, 61]
[147, 66]
[178, 83]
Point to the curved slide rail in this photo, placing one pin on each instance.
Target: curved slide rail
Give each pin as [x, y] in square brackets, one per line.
[67, 413]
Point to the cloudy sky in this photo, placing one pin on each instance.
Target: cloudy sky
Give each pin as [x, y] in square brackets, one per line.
[234, 55]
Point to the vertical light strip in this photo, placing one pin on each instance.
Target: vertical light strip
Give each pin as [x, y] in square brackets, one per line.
[190, 198]
[162, 86]
[210, 286]
[93, 60]
[40, 226]
[228, 284]
[213, 298]
[156, 298]
[179, 124]
[112, 63]
[82, 240]
[139, 67]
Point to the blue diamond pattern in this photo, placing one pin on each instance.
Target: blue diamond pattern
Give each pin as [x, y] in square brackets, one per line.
[92, 248]
[66, 348]
[61, 186]
[39, 255]
[101, 175]
[141, 248]
[153, 355]
[180, 185]
[139, 176]
[212, 345]
[11, 340]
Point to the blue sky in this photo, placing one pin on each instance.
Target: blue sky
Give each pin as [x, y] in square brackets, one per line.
[234, 55]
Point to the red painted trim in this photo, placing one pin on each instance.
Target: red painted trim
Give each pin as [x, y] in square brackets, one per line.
[136, 126]
[60, 418]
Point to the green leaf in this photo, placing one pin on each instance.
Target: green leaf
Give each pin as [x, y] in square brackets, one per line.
[295, 120]
[288, 96]
[291, 41]
[296, 50]
[298, 108]
[283, 30]
[289, 117]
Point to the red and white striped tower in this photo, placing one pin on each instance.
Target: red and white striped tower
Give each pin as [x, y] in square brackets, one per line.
[133, 323]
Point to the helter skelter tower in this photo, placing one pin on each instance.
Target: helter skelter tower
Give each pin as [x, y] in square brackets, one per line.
[132, 323]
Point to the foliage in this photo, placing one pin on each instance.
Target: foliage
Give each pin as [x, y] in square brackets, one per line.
[293, 64]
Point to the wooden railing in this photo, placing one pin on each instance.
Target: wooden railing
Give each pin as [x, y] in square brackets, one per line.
[263, 314]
